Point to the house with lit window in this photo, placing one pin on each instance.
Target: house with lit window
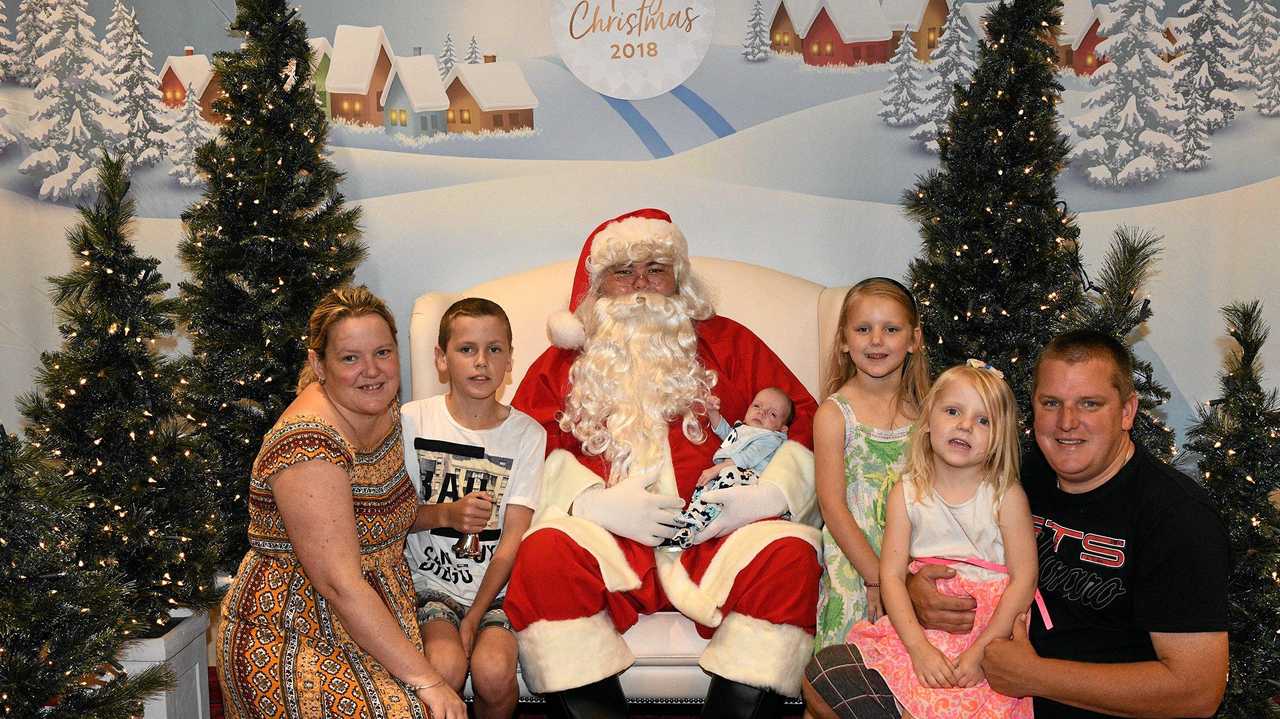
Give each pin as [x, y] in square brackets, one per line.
[415, 102]
[490, 96]
[832, 32]
[321, 56]
[358, 71]
[190, 72]
[1080, 36]
[922, 18]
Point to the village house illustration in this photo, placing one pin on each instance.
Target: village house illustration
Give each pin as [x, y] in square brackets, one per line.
[369, 84]
[848, 32]
[190, 71]
[415, 100]
[489, 96]
[321, 57]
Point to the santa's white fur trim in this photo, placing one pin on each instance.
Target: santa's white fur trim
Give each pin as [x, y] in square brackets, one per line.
[758, 653]
[742, 547]
[683, 594]
[563, 654]
[565, 330]
[635, 239]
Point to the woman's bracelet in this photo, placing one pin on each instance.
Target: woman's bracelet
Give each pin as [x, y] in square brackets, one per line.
[871, 584]
[415, 688]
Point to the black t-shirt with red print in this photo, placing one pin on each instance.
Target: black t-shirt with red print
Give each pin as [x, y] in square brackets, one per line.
[1145, 552]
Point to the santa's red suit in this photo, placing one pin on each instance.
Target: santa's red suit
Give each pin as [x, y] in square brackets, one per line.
[575, 586]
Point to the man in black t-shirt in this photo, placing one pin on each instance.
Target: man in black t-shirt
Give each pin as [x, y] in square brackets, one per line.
[1133, 567]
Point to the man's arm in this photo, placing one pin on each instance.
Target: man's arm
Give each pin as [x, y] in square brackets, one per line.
[1188, 677]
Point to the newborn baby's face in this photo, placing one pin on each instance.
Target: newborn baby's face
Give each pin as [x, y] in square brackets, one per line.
[769, 410]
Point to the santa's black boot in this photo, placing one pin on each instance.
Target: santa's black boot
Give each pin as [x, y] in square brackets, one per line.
[730, 700]
[599, 700]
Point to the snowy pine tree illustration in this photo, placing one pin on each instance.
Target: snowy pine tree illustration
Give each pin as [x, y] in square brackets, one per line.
[447, 56]
[31, 24]
[1127, 128]
[952, 62]
[6, 46]
[189, 133]
[138, 98]
[1193, 135]
[113, 41]
[1208, 41]
[6, 135]
[473, 52]
[901, 96]
[74, 120]
[1268, 102]
[755, 48]
[1259, 32]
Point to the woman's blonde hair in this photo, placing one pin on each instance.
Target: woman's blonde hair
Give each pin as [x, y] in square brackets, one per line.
[915, 370]
[340, 304]
[1003, 456]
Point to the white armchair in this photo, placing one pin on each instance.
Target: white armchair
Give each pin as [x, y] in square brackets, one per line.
[795, 317]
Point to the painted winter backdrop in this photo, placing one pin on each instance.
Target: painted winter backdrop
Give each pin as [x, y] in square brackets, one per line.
[789, 147]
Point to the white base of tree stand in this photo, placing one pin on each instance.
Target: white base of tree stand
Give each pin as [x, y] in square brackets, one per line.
[183, 649]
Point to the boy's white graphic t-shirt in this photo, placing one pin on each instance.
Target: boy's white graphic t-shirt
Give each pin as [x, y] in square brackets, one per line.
[446, 462]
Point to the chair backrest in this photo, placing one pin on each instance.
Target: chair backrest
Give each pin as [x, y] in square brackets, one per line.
[795, 317]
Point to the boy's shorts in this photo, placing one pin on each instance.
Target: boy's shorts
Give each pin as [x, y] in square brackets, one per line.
[436, 606]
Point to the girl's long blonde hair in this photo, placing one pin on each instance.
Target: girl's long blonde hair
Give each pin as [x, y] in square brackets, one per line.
[1003, 456]
[915, 370]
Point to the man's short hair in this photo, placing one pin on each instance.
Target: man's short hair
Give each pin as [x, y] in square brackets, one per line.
[1086, 344]
[470, 307]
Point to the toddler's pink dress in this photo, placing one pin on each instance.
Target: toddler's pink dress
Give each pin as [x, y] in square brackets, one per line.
[939, 530]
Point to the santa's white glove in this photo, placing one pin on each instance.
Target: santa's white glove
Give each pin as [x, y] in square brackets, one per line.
[740, 506]
[627, 510]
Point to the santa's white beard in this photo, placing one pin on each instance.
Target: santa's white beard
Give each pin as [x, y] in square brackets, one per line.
[637, 372]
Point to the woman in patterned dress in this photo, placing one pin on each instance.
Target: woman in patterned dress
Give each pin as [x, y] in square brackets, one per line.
[319, 620]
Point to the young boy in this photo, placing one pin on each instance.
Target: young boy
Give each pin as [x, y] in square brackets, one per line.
[743, 454]
[476, 464]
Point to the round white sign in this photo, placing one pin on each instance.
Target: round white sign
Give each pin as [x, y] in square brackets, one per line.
[632, 49]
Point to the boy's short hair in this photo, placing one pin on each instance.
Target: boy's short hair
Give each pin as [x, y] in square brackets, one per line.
[1085, 344]
[470, 307]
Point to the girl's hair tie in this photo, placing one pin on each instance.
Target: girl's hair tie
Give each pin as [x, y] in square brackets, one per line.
[979, 364]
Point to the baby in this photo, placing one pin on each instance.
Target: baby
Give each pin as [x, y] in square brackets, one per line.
[745, 452]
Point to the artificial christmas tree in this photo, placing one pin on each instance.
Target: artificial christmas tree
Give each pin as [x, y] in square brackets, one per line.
[1128, 126]
[1238, 439]
[138, 99]
[106, 411]
[447, 56]
[901, 96]
[1205, 64]
[952, 64]
[998, 264]
[268, 239]
[74, 119]
[59, 616]
[1114, 307]
[755, 47]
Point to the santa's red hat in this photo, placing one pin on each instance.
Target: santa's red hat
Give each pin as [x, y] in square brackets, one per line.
[636, 236]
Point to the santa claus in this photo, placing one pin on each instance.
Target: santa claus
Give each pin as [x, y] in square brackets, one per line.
[639, 358]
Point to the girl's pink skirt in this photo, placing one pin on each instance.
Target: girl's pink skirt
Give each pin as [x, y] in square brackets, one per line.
[883, 651]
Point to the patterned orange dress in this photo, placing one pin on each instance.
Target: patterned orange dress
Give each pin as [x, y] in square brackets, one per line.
[282, 651]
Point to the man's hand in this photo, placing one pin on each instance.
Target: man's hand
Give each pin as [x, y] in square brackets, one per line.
[467, 629]
[936, 610]
[739, 506]
[1010, 663]
[470, 514]
[628, 510]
